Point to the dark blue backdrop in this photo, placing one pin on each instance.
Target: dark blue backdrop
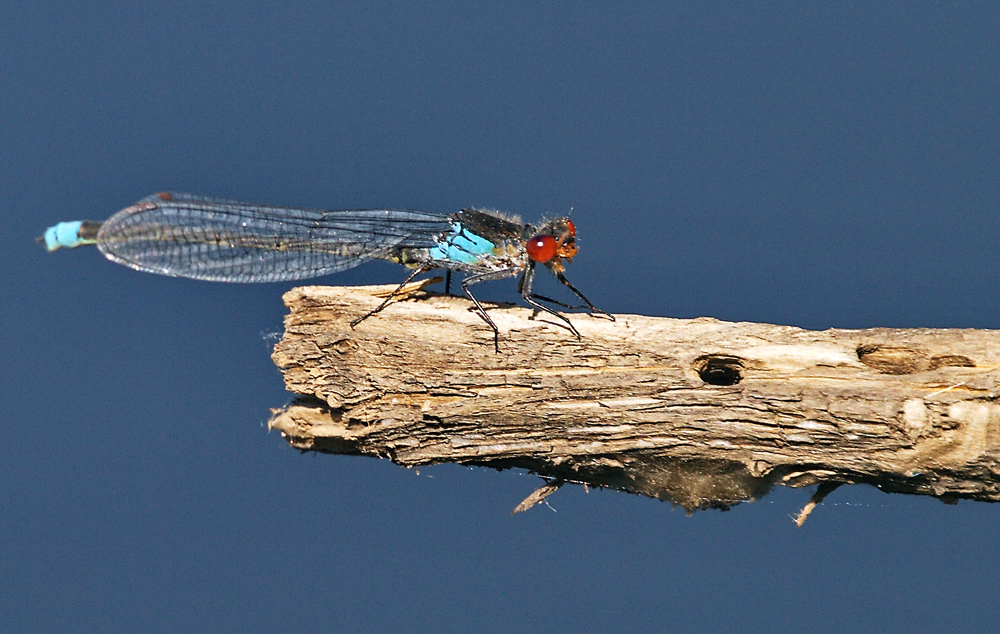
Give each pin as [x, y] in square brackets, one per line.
[791, 163]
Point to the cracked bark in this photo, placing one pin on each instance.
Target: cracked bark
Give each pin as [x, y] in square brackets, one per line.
[699, 412]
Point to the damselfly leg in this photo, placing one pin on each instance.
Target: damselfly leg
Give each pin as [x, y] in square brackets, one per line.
[389, 297]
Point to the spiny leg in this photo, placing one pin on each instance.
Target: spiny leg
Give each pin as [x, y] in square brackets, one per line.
[593, 309]
[527, 279]
[388, 298]
[485, 277]
[524, 287]
[557, 302]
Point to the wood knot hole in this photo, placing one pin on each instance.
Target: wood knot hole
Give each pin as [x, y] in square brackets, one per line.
[719, 369]
[890, 359]
[951, 360]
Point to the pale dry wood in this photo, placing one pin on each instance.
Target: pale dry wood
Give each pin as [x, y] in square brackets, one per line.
[699, 412]
[823, 490]
[537, 496]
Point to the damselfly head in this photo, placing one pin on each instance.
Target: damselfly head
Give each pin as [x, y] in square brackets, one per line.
[555, 241]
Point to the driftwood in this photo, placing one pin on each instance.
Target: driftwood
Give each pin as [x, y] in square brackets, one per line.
[702, 413]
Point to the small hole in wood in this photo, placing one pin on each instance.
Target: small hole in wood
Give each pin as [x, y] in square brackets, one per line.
[892, 359]
[719, 369]
[951, 360]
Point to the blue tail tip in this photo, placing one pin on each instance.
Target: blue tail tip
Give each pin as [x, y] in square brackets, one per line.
[64, 234]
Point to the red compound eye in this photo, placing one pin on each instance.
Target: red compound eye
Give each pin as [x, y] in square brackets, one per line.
[571, 227]
[541, 248]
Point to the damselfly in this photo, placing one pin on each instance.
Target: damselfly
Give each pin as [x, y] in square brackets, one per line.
[230, 241]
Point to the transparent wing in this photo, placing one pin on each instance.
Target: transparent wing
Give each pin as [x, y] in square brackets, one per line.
[231, 241]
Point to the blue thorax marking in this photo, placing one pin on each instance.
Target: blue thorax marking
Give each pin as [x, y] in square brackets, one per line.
[64, 234]
[461, 246]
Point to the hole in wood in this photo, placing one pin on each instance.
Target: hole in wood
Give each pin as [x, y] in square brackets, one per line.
[719, 369]
[951, 360]
[892, 359]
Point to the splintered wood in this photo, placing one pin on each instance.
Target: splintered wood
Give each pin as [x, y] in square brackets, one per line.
[700, 412]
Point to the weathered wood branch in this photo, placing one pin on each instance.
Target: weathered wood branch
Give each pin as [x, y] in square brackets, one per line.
[699, 412]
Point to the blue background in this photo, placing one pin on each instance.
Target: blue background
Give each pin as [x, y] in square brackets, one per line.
[791, 163]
